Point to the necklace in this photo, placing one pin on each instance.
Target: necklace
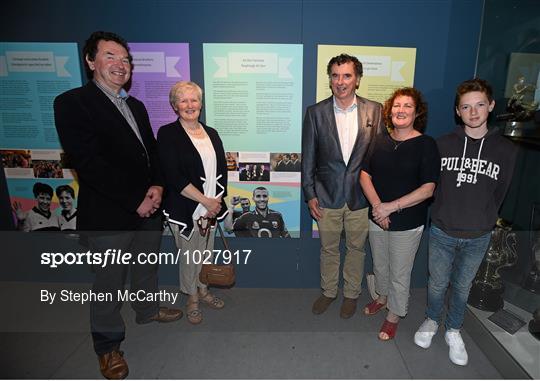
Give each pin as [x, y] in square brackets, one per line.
[195, 132]
[397, 143]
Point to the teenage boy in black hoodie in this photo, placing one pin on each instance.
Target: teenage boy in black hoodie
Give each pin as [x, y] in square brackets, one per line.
[476, 169]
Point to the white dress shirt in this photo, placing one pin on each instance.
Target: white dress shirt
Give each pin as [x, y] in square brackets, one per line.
[347, 126]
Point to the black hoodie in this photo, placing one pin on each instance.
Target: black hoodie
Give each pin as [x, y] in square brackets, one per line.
[475, 175]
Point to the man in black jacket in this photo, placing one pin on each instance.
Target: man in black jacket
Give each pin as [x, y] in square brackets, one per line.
[108, 138]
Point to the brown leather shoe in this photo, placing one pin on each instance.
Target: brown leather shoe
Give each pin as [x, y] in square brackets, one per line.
[321, 304]
[348, 308]
[113, 366]
[164, 315]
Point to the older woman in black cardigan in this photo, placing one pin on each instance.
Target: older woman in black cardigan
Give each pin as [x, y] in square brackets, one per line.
[195, 170]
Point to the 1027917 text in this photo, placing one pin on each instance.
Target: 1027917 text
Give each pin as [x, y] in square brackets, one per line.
[209, 257]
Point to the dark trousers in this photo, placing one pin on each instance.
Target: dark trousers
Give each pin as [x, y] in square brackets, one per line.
[106, 323]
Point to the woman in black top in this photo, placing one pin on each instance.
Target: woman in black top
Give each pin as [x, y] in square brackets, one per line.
[398, 178]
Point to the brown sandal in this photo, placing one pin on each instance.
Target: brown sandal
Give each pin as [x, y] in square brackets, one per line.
[212, 301]
[193, 313]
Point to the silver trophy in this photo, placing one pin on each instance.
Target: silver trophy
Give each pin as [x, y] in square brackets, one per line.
[521, 109]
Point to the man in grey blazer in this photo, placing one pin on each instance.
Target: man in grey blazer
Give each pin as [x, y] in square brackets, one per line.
[336, 135]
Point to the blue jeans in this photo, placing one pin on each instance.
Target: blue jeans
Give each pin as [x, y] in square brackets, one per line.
[453, 261]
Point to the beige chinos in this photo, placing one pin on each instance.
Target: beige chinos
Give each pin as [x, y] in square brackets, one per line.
[331, 224]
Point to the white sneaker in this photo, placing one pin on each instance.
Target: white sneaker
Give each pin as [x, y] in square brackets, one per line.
[425, 333]
[458, 353]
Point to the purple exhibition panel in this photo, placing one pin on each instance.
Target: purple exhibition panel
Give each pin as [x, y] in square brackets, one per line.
[156, 67]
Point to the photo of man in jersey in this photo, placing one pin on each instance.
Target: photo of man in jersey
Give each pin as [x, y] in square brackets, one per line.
[263, 221]
[233, 214]
[40, 217]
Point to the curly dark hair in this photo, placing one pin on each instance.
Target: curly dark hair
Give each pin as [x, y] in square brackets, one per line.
[91, 47]
[421, 110]
[342, 59]
[39, 188]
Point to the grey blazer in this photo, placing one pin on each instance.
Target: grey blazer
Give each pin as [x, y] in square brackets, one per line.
[324, 173]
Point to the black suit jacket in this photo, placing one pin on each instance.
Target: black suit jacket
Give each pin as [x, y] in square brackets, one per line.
[114, 170]
[324, 173]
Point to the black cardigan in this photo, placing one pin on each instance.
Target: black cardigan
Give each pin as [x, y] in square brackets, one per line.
[182, 165]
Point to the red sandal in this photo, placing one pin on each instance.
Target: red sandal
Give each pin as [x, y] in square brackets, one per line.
[373, 307]
[389, 328]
